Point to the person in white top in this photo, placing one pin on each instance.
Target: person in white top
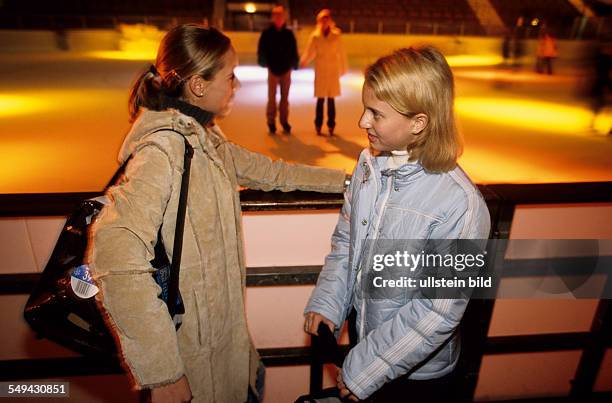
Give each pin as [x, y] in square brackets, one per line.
[325, 48]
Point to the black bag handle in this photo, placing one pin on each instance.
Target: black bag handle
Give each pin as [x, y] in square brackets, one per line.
[177, 251]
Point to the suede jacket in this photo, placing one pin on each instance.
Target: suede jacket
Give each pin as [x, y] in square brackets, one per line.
[212, 347]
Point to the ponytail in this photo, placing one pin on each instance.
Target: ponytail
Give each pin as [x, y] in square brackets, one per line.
[145, 92]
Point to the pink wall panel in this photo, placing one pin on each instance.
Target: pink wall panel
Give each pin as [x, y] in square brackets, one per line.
[18, 341]
[534, 316]
[289, 238]
[15, 249]
[604, 380]
[285, 384]
[44, 232]
[563, 221]
[275, 315]
[510, 376]
[514, 317]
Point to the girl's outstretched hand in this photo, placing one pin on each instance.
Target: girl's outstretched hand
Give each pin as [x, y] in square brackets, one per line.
[345, 393]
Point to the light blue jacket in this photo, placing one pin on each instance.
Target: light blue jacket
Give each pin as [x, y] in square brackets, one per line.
[416, 336]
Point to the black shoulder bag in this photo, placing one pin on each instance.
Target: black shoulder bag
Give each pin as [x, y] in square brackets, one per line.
[62, 307]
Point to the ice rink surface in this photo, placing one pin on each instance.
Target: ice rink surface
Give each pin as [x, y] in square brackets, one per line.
[63, 117]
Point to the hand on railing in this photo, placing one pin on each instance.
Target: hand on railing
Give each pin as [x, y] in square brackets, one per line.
[312, 320]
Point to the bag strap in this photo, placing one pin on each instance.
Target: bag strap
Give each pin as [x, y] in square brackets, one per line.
[120, 171]
[177, 250]
[175, 265]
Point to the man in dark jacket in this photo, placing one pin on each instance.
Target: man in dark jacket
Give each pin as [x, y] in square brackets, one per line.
[277, 50]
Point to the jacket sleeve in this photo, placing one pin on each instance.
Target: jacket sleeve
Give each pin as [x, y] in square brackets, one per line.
[330, 297]
[295, 58]
[123, 245]
[310, 52]
[400, 343]
[257, 171]
[262, 48]
[342, 62]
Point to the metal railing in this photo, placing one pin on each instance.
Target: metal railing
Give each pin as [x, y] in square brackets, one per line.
[501, 200]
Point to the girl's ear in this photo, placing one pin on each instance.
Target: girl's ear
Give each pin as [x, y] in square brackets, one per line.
[419, 123]
[196, 86]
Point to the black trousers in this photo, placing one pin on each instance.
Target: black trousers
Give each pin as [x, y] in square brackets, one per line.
[331, 113]
[439, 390]
[544, 63]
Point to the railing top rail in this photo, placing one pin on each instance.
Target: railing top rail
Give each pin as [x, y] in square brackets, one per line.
[58, 204]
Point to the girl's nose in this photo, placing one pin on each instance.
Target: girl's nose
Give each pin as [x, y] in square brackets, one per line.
[364, 122]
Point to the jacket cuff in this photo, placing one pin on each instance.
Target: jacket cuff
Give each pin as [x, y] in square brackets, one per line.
[159, 384]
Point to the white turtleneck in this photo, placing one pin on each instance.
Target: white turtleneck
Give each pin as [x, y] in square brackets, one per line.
[398, 158]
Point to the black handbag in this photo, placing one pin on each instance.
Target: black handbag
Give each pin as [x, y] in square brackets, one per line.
[62, 307]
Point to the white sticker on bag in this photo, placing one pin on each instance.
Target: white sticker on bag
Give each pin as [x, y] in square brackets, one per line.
[82, 283]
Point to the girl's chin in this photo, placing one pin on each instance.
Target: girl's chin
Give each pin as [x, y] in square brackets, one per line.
[226, 111]
[375, 151]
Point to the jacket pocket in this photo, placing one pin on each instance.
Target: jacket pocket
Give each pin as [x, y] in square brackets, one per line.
[406, 223]
[202, 320]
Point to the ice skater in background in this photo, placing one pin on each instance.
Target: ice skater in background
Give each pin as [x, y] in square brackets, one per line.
[325, 48]
[406, 185]
[546, 52]
[277, 50]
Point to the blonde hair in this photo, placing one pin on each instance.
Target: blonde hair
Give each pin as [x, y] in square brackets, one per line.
[326, 12]
[418, 80]
[186, 50]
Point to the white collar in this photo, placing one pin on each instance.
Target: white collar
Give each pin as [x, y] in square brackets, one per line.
[397, 159]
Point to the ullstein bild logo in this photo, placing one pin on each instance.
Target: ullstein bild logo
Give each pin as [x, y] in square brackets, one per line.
[432, 282]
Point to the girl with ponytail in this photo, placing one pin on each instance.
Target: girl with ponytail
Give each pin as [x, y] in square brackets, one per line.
[210, 358]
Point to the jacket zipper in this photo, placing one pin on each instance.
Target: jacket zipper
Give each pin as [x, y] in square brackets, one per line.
[374, 236]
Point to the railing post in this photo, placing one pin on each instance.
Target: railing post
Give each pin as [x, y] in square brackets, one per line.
[316, 366]
[144, 396]
[352, 25]
[380, 27]
[593, 354]
[476, 320]
[408, 28]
